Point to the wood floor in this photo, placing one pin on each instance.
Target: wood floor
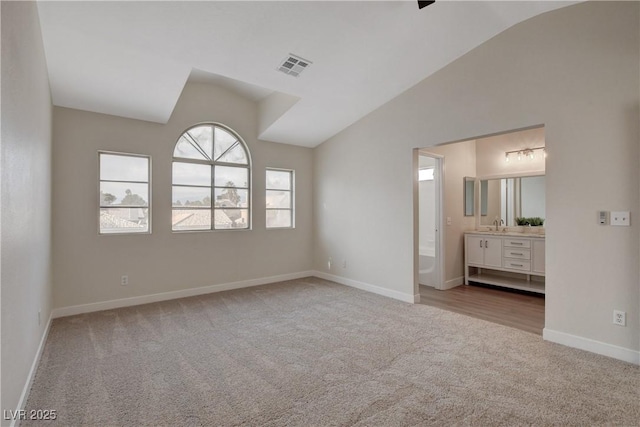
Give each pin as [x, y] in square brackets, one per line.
[518, 310]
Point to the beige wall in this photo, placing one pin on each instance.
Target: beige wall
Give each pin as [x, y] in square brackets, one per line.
[26, 196]
[87, 267]
[574, 70]
[490, 154]
[459, 161]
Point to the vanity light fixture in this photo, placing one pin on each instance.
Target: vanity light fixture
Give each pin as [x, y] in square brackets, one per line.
[526, 153]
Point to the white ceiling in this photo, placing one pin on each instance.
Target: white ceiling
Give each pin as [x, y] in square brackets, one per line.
[132, 59]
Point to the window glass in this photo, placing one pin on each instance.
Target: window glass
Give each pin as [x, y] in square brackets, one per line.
[279, 219]
[191, 219]
[227, 176]
[201, 138]
[231, 197]
[120, 167]
[124, 193]
[279, 198]
[278, 180]
[224, 142]
[191, 174]
[211, 180]
[234, 155]
[191, 196]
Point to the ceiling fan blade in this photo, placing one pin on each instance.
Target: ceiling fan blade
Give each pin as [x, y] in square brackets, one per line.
[422, 4]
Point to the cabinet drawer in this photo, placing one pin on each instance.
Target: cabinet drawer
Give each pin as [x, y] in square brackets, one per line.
[518, 243]
[517, 253]
[516, 264]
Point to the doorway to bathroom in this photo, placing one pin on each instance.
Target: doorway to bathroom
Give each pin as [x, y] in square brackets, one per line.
[489, 187]
[430, 257]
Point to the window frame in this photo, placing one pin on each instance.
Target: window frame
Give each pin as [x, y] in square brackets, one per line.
[149, 192]
[213, 164]
[292, 191]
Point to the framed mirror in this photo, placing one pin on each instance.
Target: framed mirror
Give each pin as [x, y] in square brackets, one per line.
[469, 196]
[510, 198]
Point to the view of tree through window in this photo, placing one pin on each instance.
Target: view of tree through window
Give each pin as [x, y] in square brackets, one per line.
[124, 193]
[211, 180]
[279, 198]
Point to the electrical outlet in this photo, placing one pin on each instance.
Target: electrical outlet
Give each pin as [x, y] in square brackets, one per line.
[344, 263]
[620, 219]
[124, 280]
[619, 318]
[329, 263]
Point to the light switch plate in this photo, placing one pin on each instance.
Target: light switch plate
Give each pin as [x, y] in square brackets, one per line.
[620, 218]
[603, 217]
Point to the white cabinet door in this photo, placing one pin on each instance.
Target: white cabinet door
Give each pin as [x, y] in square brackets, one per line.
[475, 250]
[493, 251]
[538, 256]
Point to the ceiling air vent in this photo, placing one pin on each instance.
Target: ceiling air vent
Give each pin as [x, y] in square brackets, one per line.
[294, 65]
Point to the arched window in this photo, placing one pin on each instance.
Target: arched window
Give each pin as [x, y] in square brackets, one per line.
[211, 180]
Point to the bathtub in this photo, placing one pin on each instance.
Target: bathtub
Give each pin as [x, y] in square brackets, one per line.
[427, 264]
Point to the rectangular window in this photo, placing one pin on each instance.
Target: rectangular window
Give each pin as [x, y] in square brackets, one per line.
[209, 197]
[425, 174]
[124, 193]
[279, 198]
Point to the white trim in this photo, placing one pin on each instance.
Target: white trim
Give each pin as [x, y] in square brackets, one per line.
[442, 232]
[439, 178]
[32, 372]
[183, 293]
[620, 353]
[410, 298]
[450, 284]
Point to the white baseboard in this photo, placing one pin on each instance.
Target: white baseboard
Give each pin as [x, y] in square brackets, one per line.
[164, 296]
[32, 372]
[450, 284]
[620, 353]
[410, 298]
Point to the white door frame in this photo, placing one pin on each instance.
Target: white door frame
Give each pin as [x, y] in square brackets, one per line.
[440, 230]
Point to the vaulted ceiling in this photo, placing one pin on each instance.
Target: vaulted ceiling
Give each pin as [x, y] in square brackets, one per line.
[132, 59]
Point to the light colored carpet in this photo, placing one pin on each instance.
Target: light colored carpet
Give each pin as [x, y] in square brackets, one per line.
[311, 352]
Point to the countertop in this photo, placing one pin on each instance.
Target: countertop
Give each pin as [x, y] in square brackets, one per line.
[509, 233]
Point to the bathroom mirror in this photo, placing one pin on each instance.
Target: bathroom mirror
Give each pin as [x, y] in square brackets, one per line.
[510, 198]
[469, 193]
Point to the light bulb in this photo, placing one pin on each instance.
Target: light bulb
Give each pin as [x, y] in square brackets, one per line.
[519, 155]
[531, 154]
[506, 157]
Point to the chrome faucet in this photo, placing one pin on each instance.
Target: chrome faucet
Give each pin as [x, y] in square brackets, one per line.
[497, 224]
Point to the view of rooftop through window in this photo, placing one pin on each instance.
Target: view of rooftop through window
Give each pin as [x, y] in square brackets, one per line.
[279, 198]
[211, 180]
[124, 193]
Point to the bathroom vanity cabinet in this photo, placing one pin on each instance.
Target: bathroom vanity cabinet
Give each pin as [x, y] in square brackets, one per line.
[512, 260]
